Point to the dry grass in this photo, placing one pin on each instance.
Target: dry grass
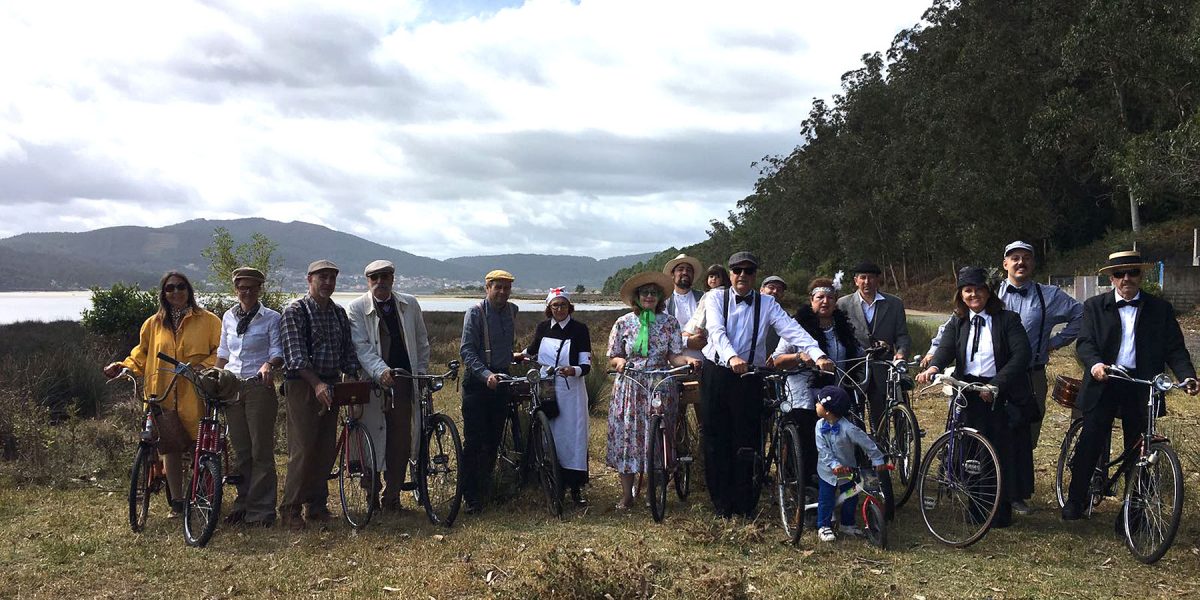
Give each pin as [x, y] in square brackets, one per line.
[75, 542]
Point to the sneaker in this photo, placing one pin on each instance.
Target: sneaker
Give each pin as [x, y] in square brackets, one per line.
[826, 534]
[1023, 508]
[850, 530]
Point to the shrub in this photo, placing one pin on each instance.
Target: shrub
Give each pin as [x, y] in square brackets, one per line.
[120, 311]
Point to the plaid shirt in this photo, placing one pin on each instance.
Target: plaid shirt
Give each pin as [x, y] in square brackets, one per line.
[332, 349]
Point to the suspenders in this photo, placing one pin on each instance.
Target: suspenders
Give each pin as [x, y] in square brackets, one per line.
[757, 320]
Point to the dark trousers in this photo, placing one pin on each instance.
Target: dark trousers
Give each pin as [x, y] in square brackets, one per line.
[398, 422]
[827, 494]
[993, 421]
[733, 432]
[1128, 400]
[312, 450]
[484, 411]
[806, 422]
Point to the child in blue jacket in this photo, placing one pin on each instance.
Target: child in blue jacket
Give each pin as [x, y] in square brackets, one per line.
[836, 440]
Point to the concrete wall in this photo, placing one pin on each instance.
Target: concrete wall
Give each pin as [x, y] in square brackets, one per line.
[1181, 286]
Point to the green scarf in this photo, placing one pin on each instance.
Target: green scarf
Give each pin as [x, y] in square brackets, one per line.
[641, 346]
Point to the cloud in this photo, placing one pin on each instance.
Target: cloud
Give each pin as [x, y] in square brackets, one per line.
[446, 128]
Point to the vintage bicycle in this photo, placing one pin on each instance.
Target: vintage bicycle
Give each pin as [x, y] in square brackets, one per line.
[779, 457]
[526, 441]
[147, 477]
[437, 469]
[1152, 504]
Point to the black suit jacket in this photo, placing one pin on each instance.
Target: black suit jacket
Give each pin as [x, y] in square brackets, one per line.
[1157, 339]
[1010, 344]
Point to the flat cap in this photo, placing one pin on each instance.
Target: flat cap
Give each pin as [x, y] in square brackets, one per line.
[1018, 245]
[867, 266]
[742, 257]
[971, 276]
[379, 266]
[775, 279]
[248, 273]
[321, 265]
[499, 274]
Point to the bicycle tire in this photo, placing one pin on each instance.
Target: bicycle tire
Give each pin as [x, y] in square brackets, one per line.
[203, 507]
[358, 479]
[1150, 537]
[139, 487]
[684, 454]
[900, 440]
[440, 469]
[968, 513]
[875, 523]
[546, 463]
[511, 465]
[1066, 460]
[656, 467]
[790, 480]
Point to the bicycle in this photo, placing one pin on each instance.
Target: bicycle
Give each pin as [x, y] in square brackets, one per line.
[869, 484]
[357, 473]
[147, 477]
[663, 461]
[438, 468]
[961, 473]
[1151, 508]
[524, 448]
[898, 434]
[781, 452]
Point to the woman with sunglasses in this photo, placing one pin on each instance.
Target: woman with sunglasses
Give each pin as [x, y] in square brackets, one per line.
[184, 331]
[646, 338]
[565, 345]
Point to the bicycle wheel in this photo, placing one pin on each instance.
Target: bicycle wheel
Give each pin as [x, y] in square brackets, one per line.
[438, 471]
[203, 507]
[683, 454]
[790, 479]
[546, 463]
[1153, 503]
[874, 523]
[900, 440]
[358, 479]
[959, 487]
[510, 461]
[1066, 460]
[139, 487]
[656, 467]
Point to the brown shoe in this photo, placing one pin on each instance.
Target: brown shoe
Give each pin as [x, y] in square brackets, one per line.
[293, 522]
[319, 517]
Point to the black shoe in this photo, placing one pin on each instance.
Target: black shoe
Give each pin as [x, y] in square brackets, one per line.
[578, 498]
[235, 517]
[473, 507]
[266, 523]
[1071, 512]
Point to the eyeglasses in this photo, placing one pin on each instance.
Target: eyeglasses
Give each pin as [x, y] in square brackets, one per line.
[743, 270]
[374, 276]
[651, 293]
[171, 288]
[560, 306]
[1130, 273]
[249, 288]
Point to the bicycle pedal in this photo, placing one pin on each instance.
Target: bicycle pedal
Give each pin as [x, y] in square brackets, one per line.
[684, 459]
[921, 432]
[972, 466]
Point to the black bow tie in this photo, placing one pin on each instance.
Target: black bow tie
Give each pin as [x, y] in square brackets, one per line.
[1123, 303]
[748, 299]
[1020, 291]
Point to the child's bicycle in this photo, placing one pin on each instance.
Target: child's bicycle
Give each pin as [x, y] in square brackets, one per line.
[866, 483]
[147, 477]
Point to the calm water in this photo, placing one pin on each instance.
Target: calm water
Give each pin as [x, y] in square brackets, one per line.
[54, 306]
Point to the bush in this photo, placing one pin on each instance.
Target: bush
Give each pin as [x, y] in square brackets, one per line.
[120, 311]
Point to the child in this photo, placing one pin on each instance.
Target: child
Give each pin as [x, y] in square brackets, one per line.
[836, 440]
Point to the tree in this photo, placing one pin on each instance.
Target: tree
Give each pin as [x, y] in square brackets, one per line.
[579, 289]
[119, 312]
[224, 257]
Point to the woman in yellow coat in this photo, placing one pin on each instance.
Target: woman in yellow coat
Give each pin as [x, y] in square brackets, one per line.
[187, 333]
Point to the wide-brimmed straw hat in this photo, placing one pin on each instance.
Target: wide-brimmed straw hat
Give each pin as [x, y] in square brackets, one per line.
[633, 283]
[697, 268]
[1120, 261]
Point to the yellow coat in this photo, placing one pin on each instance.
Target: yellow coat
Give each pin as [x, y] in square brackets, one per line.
[196, 344]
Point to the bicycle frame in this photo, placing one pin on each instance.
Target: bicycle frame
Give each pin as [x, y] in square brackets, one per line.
[1159, 386]
[657, 394]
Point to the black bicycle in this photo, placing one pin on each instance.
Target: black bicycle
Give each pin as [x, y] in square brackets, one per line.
[527, 442]
[779, 457]
[1153, 499]
[438, 466]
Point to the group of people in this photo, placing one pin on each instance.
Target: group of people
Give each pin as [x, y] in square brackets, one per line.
[1002, 338]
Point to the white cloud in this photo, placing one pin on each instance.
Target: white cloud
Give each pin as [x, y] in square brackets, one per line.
[600, 127]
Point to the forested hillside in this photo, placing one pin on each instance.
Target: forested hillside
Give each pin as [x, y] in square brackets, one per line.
[989, 122]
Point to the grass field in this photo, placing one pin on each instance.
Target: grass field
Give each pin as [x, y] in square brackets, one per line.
[73, 540]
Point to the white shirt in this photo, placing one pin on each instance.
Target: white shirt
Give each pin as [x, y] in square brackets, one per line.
[868, 308]
[1127, 354]
[727, 340]
[685, 306]
[984, 363]
[262, 341]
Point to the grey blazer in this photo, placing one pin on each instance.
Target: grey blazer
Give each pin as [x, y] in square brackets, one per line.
[890, 325]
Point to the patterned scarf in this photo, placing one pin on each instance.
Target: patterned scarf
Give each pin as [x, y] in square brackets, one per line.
[244, 317]
[641, 346]
[177, 315]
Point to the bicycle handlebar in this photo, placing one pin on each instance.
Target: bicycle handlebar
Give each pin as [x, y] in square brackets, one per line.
[1161, 382]
[452, 373]
[962, 386]
[676, 371]
[774, 373]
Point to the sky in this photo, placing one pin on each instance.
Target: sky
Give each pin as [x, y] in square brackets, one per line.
[443, 128]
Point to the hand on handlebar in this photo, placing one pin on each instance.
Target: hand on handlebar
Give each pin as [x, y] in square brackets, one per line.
[617, 363]
[841, 470]
[825, 364]
[926, 376]
[113, 369]
[738, 365]
[925, 360]
[493, 381]
[1099, 372]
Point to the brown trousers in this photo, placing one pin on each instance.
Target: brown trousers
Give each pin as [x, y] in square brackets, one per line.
[312, 441]
[252, 433]
[399, 439]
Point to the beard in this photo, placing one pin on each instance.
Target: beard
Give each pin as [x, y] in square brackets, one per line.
[684, 282]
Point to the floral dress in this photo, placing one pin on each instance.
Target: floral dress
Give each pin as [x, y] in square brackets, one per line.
[629, 410]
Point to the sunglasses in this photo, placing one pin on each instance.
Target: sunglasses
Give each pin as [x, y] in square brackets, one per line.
[653, 293]
[743, 270]
[171, 288]
[1130, 273]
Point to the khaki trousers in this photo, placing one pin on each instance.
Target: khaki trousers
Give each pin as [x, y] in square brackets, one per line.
[399, 439]
[312, 440]
[252, 433]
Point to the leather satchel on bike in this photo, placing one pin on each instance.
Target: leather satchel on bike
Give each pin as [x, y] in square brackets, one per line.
[172, 437]
[349, 393]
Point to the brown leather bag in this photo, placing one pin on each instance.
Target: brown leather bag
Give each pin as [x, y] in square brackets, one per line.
[172, 437]
[349, 393]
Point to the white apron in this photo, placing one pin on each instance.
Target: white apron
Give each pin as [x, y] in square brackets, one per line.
[570, 427]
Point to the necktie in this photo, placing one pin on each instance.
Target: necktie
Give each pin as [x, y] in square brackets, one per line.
[1020, 291]
[1123, 303]
[835, 429]
[977, 323]
[748, 299]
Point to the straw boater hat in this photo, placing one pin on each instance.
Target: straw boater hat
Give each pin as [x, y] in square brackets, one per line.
[1120, 261]
[683, 258]
[660, 279]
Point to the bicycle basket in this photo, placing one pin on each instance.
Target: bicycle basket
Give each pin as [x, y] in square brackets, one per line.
[1066, 390]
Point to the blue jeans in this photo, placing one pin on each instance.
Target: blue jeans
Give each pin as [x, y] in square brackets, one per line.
[827, 497]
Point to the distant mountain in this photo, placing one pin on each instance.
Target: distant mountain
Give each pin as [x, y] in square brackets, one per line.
[541, 271]
[48, 261]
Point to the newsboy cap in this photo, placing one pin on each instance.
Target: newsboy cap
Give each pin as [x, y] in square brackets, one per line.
[379, 266]
[322, 265]
[499, 275]
[248, 273]
[1018, 245]
[775, 279]
[867, 266]
[743, 257]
